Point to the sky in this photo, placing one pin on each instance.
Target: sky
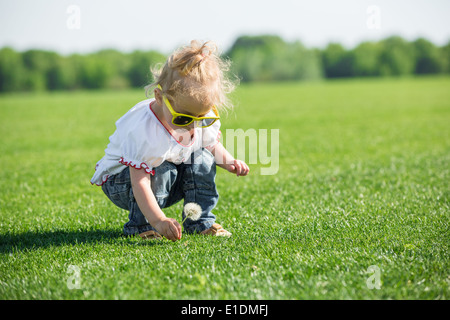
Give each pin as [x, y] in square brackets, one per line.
[69, 26]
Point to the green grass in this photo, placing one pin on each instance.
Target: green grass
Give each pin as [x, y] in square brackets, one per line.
[363, 181]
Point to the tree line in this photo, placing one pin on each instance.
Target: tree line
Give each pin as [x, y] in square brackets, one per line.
[269, 58]
[254, 58]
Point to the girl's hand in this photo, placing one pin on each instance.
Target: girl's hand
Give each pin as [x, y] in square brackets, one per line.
[169, 228]
[239, 167]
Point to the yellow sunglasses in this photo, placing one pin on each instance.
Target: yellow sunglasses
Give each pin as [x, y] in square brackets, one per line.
[182, 120]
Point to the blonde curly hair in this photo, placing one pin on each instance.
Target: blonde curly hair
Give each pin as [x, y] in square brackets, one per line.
[198, 71]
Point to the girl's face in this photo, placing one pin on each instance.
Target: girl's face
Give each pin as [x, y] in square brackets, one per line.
[185, 105]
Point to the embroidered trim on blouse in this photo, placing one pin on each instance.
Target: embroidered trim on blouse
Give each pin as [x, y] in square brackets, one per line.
[103, 181]
[143, 165]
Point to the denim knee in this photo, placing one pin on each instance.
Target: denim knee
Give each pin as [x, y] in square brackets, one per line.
[118, 189]
[164, 184]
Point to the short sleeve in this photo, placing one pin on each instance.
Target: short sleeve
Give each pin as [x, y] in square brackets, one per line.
[138, 141]
[144, 147]
[211, 135]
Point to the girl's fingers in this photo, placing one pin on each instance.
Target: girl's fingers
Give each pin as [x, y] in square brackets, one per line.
[176, 228]
[238, 166]
[242, 168]
[173, 232]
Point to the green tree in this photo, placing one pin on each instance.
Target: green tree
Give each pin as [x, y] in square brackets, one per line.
[445, 54]
[38, 64]
[95, 72]
[11, 70]
[251, 42]
[62, 74]
[337, 61]
[139, 73]
[366, 57]
[257, 58]
[428, 58]
[75, 62]
[397, 57]
[247, 63]
[270, 58]
[118, 64]
[301, 63]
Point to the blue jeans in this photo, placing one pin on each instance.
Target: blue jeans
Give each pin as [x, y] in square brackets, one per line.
[193, 182]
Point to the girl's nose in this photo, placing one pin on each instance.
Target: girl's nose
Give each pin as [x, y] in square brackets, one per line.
[191, 127]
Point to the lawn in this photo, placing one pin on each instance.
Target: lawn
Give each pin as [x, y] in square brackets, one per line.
[362, 185]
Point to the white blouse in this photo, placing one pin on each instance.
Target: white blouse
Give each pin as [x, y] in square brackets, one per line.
[143, 142]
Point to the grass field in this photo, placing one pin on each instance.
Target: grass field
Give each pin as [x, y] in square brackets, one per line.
[363, 182]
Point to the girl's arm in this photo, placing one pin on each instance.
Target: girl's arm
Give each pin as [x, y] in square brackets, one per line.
[140, 182]
[226, 161]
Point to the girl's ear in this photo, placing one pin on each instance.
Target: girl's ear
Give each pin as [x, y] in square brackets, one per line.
[158, 96]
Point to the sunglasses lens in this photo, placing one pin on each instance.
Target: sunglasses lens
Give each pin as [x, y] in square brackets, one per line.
[207, 122]
[182, 121]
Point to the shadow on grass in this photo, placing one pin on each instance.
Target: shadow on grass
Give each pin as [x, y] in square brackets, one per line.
[42, 239]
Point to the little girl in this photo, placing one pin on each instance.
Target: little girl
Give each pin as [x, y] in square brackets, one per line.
[166, 148]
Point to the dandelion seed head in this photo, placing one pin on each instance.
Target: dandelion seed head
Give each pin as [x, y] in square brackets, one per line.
[192, 211]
